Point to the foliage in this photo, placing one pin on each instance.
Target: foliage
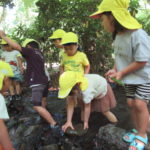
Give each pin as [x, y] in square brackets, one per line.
[73, 15]
[5, 3]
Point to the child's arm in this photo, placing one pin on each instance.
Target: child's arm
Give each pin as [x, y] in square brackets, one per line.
[61, 68]
[13, 44]
[130, 68]
[4, 137]
[19, 59]
[87, 69]
[70, 110]
[87, 111]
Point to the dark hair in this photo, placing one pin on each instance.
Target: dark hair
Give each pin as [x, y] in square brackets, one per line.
[34, 45]
[117, 25]
[68, 44]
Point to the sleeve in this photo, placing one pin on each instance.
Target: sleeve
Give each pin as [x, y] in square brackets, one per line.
[141, 46]
[3, 108]
[85, 60]
[88, 96]
[26, 52]
[18, 54]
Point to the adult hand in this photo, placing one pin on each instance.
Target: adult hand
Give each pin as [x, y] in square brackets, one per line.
[118, 75]
[67, 125]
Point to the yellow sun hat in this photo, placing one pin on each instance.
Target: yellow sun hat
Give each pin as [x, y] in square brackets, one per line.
[119, 9]
[3, 42]
[27, 41]
[58, 34]
[68, 79]
[5, 70]
[69, 37]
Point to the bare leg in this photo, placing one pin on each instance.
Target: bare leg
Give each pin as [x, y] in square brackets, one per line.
[142, 116]
[45, 114]
[11, 88]
[110, 116]
[4, 137]
[44, 102]
[18, 88]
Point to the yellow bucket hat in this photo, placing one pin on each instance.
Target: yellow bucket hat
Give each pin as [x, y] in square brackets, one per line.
[119, 9]
[68, 79]
[5, 70]
[27, 41]
[69, 37]
[3, 42]
[58, 34]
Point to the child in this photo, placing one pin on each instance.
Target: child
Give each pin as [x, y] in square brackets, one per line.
[36, 76]
[92, 93]
[132, 64]
[57, 37]
[14, 58]
[73, 60]
[5, 74]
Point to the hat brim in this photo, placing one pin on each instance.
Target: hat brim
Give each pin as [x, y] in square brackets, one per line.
[63, 93]
[1, 80]
[96, 15]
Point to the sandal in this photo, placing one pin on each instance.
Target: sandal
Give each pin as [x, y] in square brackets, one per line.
[129, 137]
[135, 145]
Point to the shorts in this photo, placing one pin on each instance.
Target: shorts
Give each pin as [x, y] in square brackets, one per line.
[18, 78]
[38, 92]
[138, 91]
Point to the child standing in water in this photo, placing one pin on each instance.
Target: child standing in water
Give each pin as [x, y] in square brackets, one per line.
[73, 60]
[91, 92]
[132, 64]
[14, 58]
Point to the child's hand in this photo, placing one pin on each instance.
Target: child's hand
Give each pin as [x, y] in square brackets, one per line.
[109, 74]
[67, 125]
[86, 126]
[2, 33]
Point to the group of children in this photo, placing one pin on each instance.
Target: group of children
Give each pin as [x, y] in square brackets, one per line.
[91, 91]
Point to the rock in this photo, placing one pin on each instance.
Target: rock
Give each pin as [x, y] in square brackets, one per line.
[79, 131]
[110, 137]
[50, 147]
[31, 130]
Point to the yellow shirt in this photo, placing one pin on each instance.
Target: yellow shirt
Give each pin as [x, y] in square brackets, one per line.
[75, 63]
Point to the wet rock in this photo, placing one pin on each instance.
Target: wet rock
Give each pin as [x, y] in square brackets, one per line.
[79, 131]
[110, 137]
[31, 130]
[50, 147]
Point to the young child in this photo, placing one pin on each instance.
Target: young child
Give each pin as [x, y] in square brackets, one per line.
[91, 92]
[5, 74]
[36, 76]
[132, 64]
[73, 60]
[14, 58]
[57, 38]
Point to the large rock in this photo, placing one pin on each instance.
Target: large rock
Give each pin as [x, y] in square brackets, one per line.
[110, 138]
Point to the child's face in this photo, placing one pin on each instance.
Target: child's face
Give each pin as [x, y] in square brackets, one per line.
[71, 49]
[6, 84]
[108, 23]
[6, 48]
[57, 43]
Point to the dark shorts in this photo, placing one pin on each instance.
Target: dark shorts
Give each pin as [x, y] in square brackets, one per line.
[38, 92]
[139, 91]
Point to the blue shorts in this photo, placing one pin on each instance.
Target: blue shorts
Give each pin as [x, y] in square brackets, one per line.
[138, 91]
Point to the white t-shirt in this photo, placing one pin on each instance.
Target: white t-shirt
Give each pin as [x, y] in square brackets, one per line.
[3, 108]
[11, 58]
[133, 46]
[97, 86]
